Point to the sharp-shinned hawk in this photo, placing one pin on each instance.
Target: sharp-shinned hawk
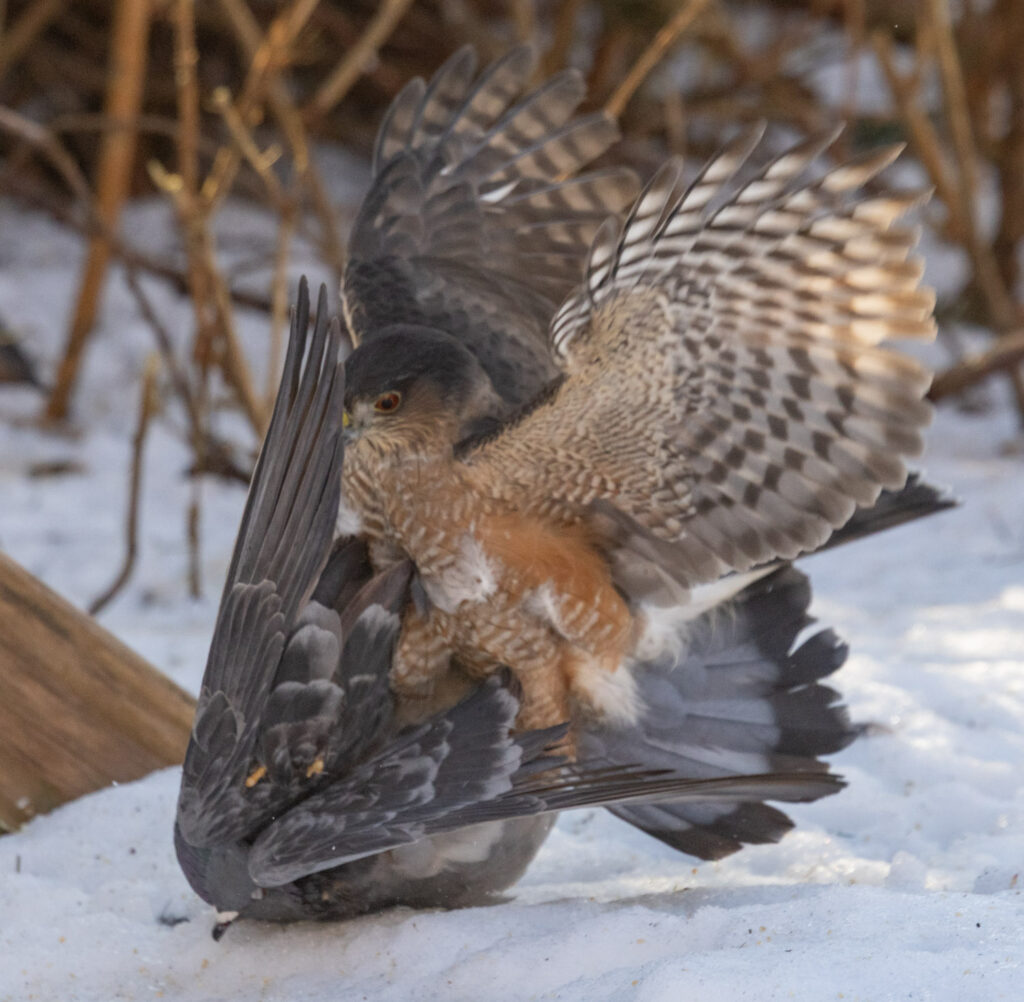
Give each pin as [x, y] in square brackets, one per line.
[711, 395]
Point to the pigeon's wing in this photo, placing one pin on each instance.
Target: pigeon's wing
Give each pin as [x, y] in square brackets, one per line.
[725, 385]
[283, 544]
[476, 223]
[466, 767]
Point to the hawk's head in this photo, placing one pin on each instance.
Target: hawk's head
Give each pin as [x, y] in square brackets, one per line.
[412, 385]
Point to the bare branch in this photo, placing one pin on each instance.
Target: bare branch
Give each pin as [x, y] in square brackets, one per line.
[34, 20]
[1004, 355]
[348, 71]
[147, 408]
[654, 53]
[125, 85]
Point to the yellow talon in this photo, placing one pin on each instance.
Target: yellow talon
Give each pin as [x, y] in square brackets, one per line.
[315, 769]
[255, 776]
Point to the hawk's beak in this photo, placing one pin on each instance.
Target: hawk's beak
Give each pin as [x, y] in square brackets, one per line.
[348, 432]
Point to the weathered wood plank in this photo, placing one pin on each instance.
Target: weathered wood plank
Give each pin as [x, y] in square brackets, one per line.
[78, 709]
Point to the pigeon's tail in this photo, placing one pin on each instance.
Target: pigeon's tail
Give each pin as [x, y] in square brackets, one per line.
[737, 690]
[741, 694]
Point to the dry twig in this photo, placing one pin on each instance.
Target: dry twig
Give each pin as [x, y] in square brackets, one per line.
[216, 455]
[87, 223]
[654, 53]
[215, 337]
[34, 20]
[266, 54]
[1004, 312]
[348, 71]
[126, 80]
[179, 379]
[255, 47]
[956, 189]
[557, 56]
[524, 17]
[43, 140]
[147, 408]
[1005, 354]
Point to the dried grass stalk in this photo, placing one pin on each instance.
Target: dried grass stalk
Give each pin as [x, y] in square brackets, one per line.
[125, 85]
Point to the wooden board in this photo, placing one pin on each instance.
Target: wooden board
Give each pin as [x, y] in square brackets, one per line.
[78, 709]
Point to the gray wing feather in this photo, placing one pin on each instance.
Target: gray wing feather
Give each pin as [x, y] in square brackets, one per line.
[474, 224]
[465, 767]
[283, 541]
[330, 699]
[457, 759]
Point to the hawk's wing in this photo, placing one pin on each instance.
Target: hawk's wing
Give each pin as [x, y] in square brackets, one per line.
[286, 661]
[726, 391]
[470, 226]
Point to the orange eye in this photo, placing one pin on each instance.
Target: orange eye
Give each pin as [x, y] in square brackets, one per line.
[388, 402]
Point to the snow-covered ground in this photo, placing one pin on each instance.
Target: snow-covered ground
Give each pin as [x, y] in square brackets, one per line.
[908, 885]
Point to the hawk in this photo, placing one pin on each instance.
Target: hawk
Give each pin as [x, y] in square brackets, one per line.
[711, 396]
[361, 737]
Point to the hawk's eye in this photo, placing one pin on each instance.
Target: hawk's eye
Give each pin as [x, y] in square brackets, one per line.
[388, 402]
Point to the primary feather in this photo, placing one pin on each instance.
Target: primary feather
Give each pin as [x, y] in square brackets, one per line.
[476, 223]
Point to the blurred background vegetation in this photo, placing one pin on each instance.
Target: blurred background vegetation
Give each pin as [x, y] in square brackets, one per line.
[205, 103]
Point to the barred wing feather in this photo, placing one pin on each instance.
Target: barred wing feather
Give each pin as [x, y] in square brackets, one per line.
[725, 385]
[477, 222]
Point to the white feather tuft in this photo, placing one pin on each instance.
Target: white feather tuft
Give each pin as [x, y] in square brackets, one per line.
[613, 695]
[432, 856]
[470, 578]
[349, 522]
[543, 603]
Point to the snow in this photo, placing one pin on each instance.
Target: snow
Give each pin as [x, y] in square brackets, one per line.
[905, 886]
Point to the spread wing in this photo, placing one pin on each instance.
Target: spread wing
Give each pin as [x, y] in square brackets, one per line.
[300, 629]
[725, 387]
[466, 767]
[471, 226]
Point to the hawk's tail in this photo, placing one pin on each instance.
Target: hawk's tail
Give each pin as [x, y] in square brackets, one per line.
[916, 499]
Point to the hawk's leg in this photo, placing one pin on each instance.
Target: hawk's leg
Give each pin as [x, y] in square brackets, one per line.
[423, 655]
[563, 651]
[499, 632]
[483, 638]
[545, 696]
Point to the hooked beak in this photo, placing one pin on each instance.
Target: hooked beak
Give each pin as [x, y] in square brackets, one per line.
[348, 432]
